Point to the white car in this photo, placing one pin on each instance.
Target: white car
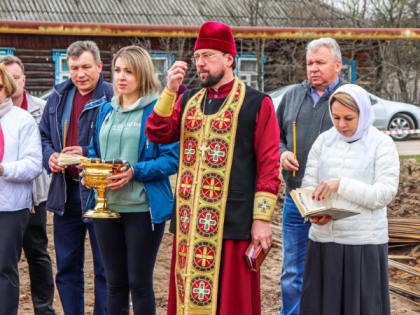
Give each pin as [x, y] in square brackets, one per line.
[389, 115]
[44, 95]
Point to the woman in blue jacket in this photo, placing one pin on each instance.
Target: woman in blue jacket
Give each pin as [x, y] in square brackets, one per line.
[141, 193]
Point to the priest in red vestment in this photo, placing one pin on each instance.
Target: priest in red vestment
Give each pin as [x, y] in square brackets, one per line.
[227, 180]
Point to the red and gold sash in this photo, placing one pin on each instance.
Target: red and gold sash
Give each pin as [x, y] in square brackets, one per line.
[207, 144]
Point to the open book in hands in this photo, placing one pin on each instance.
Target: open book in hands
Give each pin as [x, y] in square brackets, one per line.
[312, 208]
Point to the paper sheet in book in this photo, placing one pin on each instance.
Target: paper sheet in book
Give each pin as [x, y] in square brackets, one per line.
[309, 207]
[69, 159]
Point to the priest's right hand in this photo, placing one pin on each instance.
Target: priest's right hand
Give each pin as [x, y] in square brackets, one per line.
[288, 162]
[53, 163]
[176, 75]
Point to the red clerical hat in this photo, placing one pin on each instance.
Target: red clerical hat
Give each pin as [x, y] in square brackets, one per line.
[216, 35]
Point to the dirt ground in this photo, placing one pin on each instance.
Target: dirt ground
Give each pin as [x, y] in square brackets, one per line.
[406, 204]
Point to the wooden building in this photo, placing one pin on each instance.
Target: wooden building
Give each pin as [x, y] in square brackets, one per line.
[39, 31]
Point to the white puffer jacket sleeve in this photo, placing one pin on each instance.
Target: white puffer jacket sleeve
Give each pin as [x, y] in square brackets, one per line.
[385, 184]
[28, 163]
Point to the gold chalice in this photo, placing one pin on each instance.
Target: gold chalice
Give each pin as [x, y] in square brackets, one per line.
[95, 174]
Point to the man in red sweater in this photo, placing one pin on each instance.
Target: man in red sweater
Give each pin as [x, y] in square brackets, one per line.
[67, 126]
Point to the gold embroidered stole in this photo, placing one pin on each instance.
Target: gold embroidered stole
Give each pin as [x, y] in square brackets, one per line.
[206, 153]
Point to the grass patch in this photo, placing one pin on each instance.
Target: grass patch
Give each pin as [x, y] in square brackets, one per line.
[406, 157]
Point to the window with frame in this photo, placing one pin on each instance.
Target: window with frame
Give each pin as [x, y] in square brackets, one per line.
[247, 70]
[4, 51]
[348, 71]
[161, 62]
[61, 67]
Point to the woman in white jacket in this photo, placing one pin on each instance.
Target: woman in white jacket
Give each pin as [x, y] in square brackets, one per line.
[20, 164]
[346, 270]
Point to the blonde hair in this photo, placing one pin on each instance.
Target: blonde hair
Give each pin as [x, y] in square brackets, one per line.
[10, 60]
[346, 100]
[139, 60]
[8, 81]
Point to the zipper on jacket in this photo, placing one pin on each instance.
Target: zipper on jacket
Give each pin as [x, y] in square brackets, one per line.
[81, 198]
[93, 107]
[92, 101]
[56, 119]
[150, 210]
[92, 123]
[151, 218]
[61, 144]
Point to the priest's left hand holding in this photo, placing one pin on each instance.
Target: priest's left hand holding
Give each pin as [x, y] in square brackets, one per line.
[261, 234]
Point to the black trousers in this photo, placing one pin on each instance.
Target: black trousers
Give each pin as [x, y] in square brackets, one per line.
[129, 247]
[35, 245]
[12, 227]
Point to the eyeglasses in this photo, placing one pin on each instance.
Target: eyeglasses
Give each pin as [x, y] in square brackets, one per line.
[205, 57]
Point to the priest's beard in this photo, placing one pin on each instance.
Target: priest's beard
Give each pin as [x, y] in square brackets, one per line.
[212, 79]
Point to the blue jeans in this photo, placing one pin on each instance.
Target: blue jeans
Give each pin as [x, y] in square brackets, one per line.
[69, 240]
[295, 241]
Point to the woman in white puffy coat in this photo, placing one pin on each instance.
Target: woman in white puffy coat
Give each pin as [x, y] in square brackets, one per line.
[346, 270]
[20, 164]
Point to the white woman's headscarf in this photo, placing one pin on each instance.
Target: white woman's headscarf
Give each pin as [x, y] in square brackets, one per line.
[366, 115]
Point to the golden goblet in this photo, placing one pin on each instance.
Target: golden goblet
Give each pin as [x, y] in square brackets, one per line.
[95, 175]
